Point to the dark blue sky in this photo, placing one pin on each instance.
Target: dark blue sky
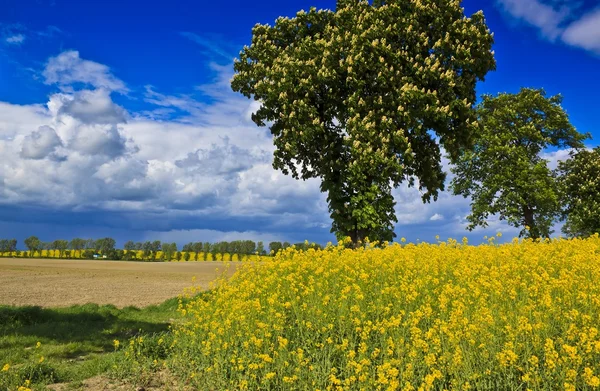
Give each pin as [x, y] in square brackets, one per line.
[177, 156]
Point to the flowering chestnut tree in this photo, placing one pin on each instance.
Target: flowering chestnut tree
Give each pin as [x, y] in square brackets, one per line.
[363, 98]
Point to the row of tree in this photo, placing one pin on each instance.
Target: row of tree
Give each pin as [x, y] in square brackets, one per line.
[149, 250]
[89, 247]
[8, 245]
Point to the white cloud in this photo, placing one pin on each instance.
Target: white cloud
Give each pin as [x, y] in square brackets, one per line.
[556, 156]
[210, 168]
[538, 14]
[585, 32]
[92, 107]
[226, 159]
[558, 19]
[99, 140]
[212, 164]
[16, 39]
[68, 69]
[40, 144]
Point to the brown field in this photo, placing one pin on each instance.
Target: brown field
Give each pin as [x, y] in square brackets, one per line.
[64, 282]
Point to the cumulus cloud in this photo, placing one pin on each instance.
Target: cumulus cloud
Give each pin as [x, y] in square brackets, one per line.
[585, 32]
[436, 217]
[556, 156]
[68, 69]
[558, 20]
[225, 159]
[16, 39]
[92, 107]
[208, 167]
[40, 144]
[204, 174]
[546, 17]
[98, 140]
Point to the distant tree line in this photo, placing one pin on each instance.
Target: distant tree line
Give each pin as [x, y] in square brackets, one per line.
[8, 245]
[144, 251]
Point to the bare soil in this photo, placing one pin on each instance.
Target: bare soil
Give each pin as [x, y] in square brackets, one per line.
[161, 381]
[65, 282]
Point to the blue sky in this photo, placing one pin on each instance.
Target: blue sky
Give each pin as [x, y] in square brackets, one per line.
[116, 119]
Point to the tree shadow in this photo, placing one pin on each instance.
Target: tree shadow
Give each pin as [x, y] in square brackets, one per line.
[91, 328]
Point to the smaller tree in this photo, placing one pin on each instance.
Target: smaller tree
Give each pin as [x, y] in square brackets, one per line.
[105, 245]
[90, 244]
[169, 250]
[77, 245]
[197, 248]
[12, 245]
[156, 247]
[274, 247]
[214, 250]
[222, 246]
[33, 244]
[505, 174]
[260, 248]
[186, 256]
[147, 249]
[301, 246]
[579, 181]
[61, 246]
[206, 250]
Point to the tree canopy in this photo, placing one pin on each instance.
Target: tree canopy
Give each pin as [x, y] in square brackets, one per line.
[364, 96]
[579, 180]
[505, 174]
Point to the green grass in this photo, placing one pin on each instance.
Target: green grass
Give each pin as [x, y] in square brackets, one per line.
[76, 342]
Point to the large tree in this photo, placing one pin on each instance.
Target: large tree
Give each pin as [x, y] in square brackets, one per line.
[362, 97]
[579, 180]
[505, 174]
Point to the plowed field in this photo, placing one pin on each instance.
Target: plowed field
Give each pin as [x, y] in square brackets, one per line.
[64, 282]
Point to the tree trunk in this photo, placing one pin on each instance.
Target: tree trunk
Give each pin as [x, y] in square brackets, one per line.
[358, 237]
[530, 222]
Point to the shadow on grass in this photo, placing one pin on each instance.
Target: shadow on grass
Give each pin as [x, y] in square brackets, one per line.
[91, 327]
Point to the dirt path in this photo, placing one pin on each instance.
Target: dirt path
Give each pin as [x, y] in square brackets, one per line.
[64, 282]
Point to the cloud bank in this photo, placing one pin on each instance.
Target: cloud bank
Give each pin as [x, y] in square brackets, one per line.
[188, 167]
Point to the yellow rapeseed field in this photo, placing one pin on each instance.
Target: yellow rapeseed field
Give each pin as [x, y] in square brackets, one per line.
[517, 316]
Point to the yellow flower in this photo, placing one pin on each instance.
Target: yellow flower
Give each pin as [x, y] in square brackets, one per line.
[393, 317]
[37, 345]
[116, 343]
[5, 368]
